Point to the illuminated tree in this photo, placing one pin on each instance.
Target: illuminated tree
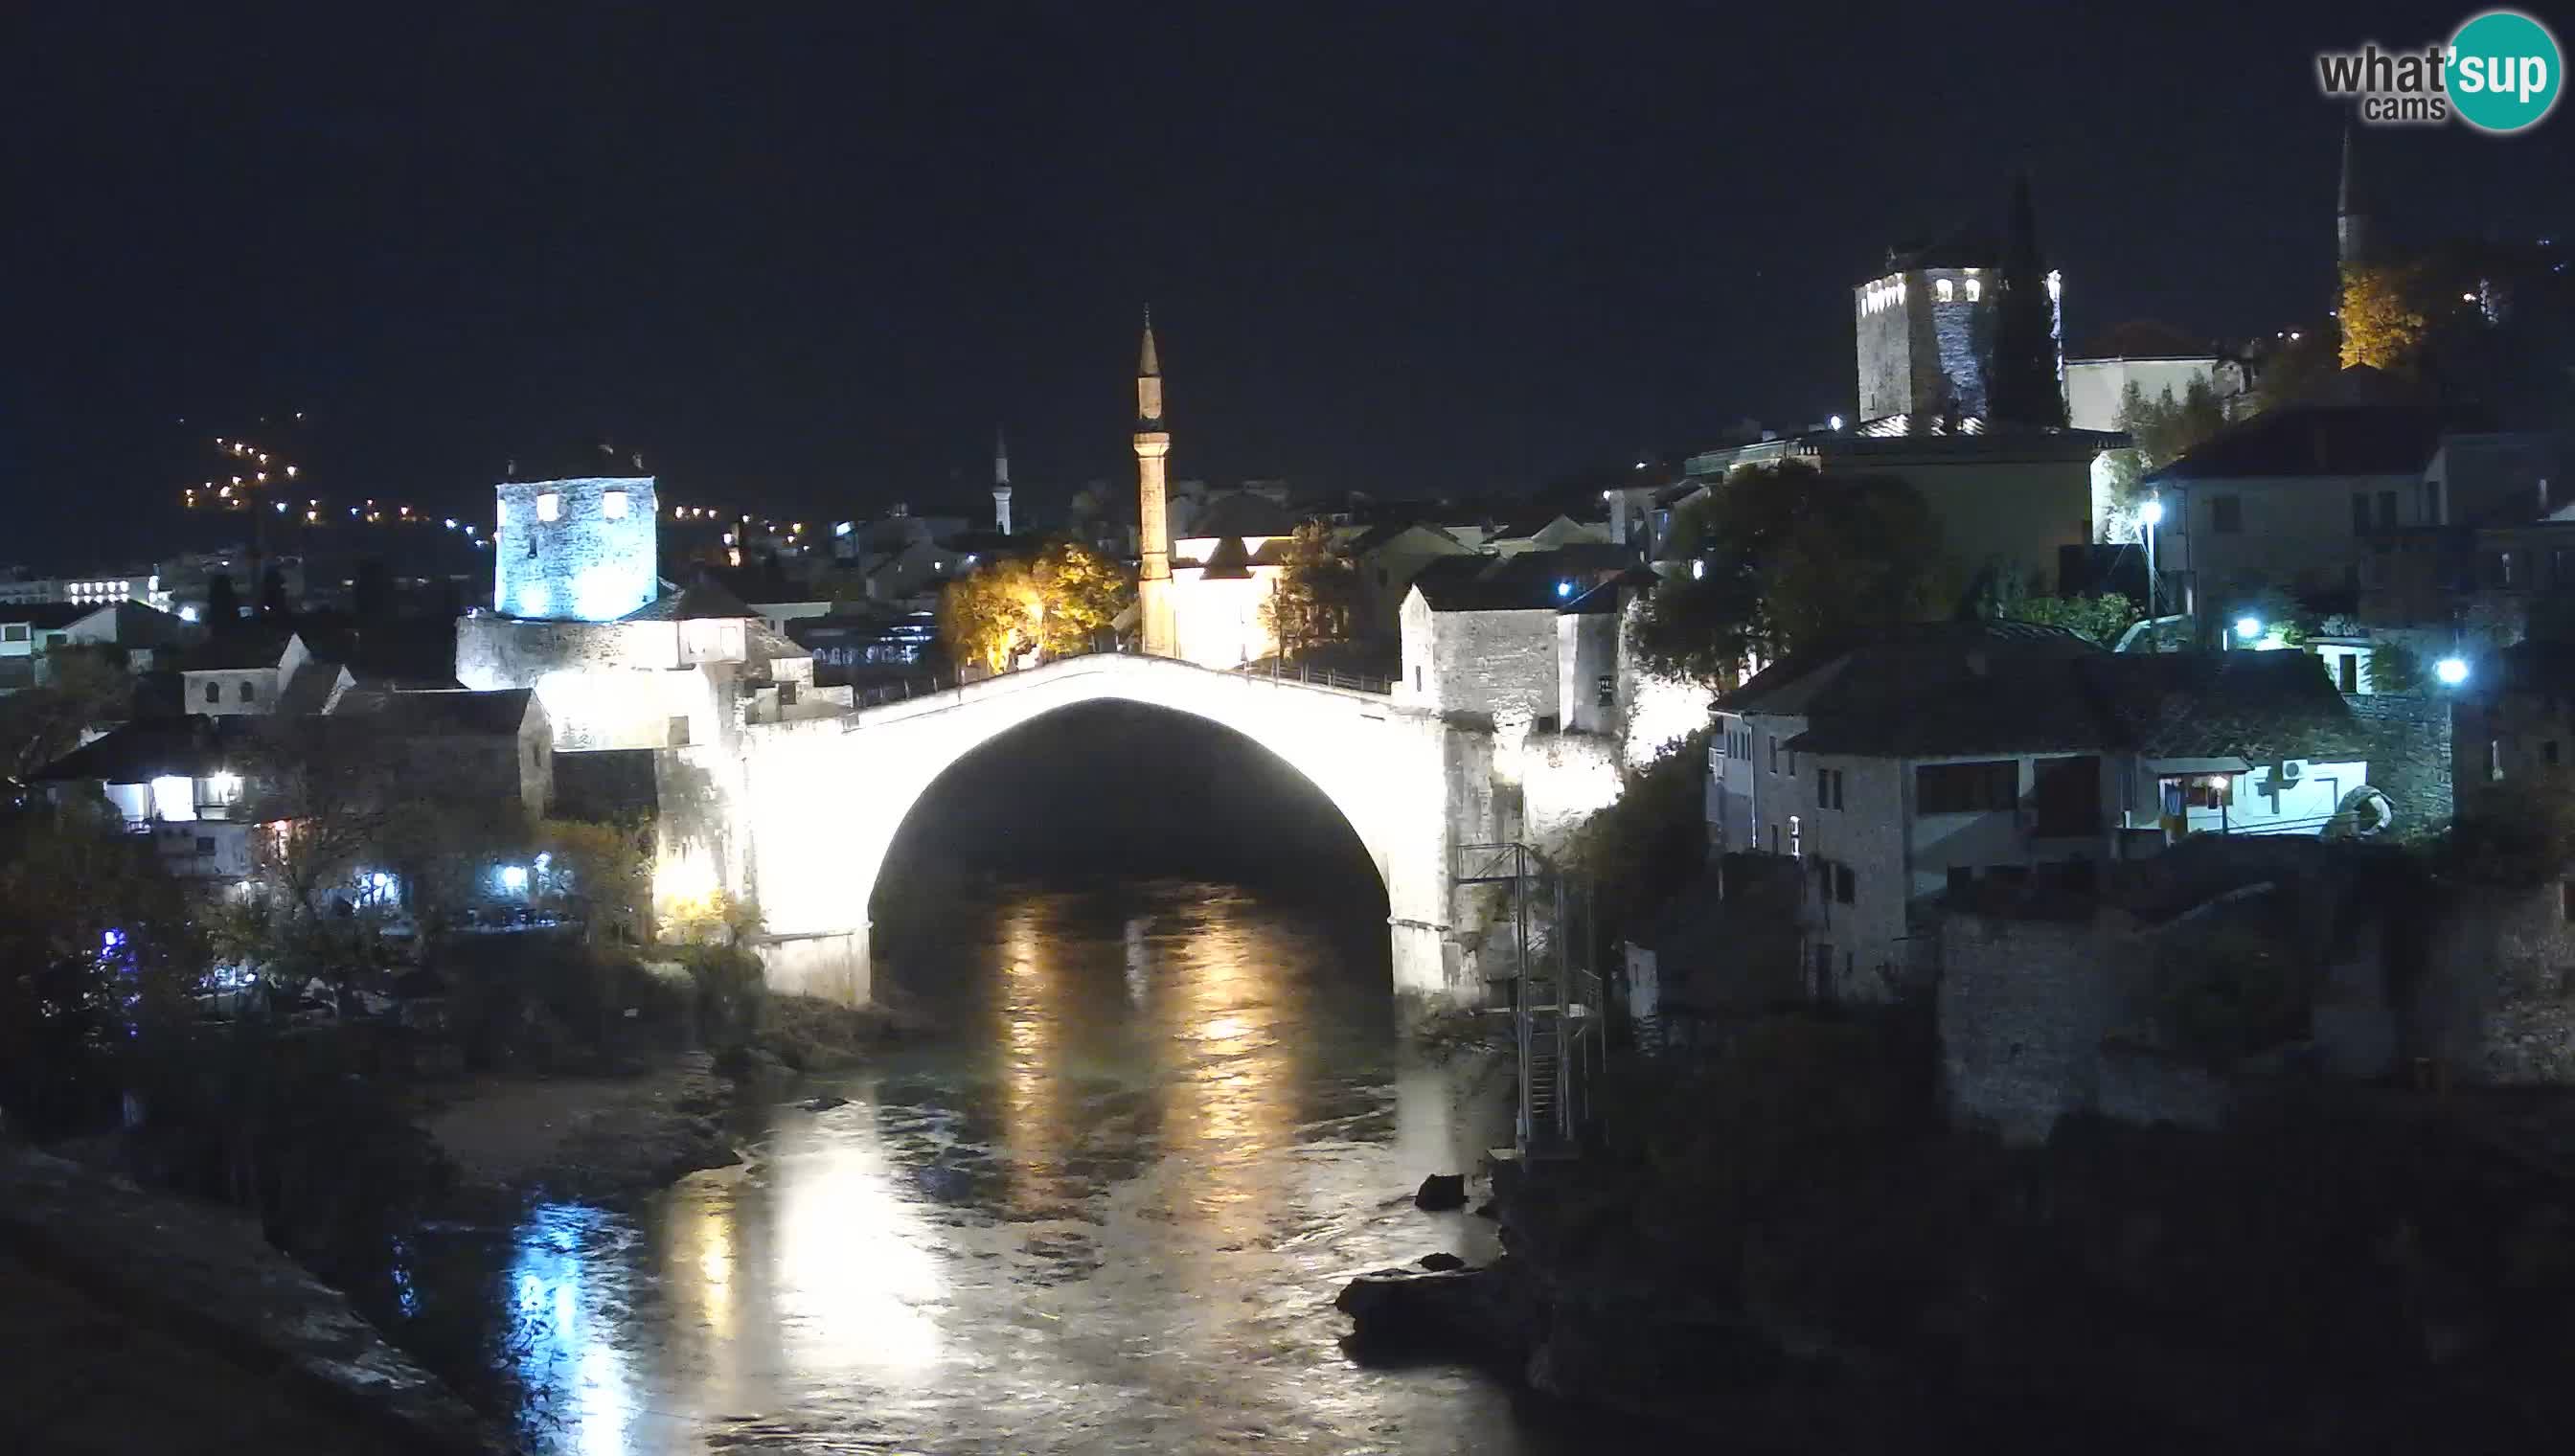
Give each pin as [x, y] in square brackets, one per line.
[1316, 593]
[2381, 327]
[1081, 594]
[1784, 559]
[991, 615]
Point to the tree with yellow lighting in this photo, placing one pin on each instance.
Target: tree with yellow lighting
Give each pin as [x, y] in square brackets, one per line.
[2381, 327]
[1056, 606]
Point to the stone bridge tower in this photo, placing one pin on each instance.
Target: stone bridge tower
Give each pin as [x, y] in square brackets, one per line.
[1154, 527]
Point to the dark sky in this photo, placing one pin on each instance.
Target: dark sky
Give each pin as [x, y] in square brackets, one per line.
[805, 256]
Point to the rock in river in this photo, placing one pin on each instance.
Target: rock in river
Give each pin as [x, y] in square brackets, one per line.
[1441, 1192]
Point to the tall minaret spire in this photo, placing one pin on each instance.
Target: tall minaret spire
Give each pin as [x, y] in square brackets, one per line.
[1153, 537]
[2352, 215]
[1000, 481]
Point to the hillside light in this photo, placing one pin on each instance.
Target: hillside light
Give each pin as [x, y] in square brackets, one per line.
[1836, 422]
[2451, 670]
[1563, 588]
[2248, 628]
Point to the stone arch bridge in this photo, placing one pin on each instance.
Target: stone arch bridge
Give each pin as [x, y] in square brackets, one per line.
[818, 802]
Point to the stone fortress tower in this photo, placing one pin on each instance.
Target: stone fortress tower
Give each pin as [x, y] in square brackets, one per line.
[1923, 326]
[1155, 624]
[576, 547]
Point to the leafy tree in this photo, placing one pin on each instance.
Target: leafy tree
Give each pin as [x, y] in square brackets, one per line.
[2021, 383]
[1316, 595]
[1784, 559]
[1080, 592]
[97, 954]
[2393, 667]
[272, 595]
[991, 615]
[2163, 429]
[2381, 325]
[2101, 618]
[2292, 368]
[602, 873]
[85, 688]
[1055, 606]
[223, 601]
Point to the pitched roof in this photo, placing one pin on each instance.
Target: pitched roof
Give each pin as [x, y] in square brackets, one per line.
[148, 748]
[45, 616]
[1485, 584]
[249, 645]
[498, 711]
[1226, 562]
[697, 600]
[1981, 688]
[2324, 440]
[1243, 513]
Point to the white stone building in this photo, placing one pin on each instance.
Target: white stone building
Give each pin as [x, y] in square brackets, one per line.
[1980, 758]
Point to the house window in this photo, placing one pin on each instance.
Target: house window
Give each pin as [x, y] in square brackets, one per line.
[2184, 792]
[205, 843]
[2359, 511]
[1608, 690]
[2226, 514]
[2387, 508]
[549, 506]
[1949, 788]
[247, 693]
[2432, 503]
[1774, 752]
[1416, 679]
[1796, 839]
[1975, 289]
[677, 737]
[2494, 760]
[2347, 671]
[1828, 789]
[13, 631]
[1945, 290]
[214, 692]
[612, 505]
[1846, 884]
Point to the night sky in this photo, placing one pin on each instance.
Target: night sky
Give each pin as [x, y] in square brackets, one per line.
[806, 256]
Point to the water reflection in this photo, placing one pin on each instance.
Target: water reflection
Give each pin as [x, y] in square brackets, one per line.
[1110, 1216]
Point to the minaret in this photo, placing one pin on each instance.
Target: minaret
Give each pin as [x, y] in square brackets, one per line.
[1153, 538]
[1000, 483]
[2351, 223]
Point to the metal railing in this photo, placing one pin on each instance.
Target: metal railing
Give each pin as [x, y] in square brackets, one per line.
[1312, 676]
[1558, 1012]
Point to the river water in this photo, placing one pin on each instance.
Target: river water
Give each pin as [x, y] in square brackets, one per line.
[1109, 1213]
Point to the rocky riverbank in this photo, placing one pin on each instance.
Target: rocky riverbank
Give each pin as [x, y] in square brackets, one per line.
[143, 1321]
[588, 1139]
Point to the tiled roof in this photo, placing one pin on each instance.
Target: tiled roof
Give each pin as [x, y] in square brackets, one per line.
[2324, 440]
[149, 748]
[498, 711]
[698, 600]
[1971, 692]
[248, 645]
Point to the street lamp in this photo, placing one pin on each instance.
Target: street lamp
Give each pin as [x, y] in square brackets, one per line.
[2451, 670]
[2151, 515]
[2248, 628]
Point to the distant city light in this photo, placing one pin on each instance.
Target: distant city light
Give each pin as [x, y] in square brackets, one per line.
[2451, 670]
[2248, 628]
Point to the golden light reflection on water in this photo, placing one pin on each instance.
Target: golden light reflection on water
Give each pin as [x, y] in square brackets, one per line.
[1230, 1020]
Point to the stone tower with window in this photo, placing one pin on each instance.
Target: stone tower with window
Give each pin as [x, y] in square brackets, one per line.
[575, 549]
[1924, 324]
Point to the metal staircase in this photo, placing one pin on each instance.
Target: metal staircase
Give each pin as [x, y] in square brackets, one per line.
[1555, 1005]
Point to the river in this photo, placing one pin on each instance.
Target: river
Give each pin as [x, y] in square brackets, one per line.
[1109, 1213]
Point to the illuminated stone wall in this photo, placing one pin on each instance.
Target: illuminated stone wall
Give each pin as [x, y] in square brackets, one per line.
[580, 550]
[823, 798]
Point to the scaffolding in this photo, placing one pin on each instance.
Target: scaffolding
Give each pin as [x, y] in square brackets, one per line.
[1558, 1020]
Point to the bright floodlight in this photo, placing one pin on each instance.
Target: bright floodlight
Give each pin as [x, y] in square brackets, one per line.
[1565, 589]
[513, 876]
[2151, 513]
[2451, 670]
[2248, 628]
[1836, 422]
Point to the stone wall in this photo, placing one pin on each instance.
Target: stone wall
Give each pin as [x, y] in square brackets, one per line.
[2496, 1000]
[1485, 663]
[585, 564]
[2409, 756]
[2024, 1006]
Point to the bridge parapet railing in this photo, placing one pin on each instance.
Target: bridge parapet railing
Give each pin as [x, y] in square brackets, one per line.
[1313, 676]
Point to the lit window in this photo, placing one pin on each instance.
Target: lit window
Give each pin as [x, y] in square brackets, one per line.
[1975, 289]
[1946, 290]
[549, 506]
[613, 505]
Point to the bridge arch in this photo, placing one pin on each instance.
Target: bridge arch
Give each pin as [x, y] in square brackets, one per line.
[821, 799]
